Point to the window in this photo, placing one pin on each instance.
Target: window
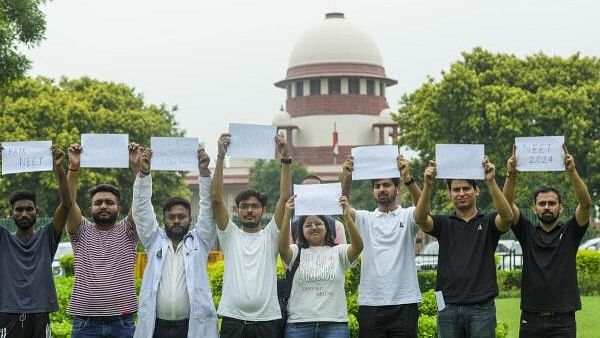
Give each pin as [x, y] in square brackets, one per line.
[370, 87]
[289, 90]
[299, 88]
[335, 86]
[382, 88]
[354, 85]
[315, 87]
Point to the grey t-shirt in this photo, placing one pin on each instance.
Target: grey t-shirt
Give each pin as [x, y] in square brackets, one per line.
[26, 281]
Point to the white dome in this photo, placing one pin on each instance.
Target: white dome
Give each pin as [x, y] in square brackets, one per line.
[335, 40]
[282, 118]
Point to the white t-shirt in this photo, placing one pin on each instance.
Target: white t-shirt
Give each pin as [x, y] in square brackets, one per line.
[388, 275]
[318, 293]
[250, 276]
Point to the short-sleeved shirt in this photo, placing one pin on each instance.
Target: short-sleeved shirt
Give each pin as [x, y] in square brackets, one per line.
[549, 281]
[104, 260]
[26, 281]
[388, 274]
[250, 276]
[318, 293]
[466, 265]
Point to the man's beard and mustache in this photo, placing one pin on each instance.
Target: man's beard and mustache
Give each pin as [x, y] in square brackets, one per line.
[547, 217]
[105, 219]
[177, 232]
[250, 224]
[25, 223]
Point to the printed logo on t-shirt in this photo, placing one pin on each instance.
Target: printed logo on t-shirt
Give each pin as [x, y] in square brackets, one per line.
[401, 225]
[315, 267]
[479, 227]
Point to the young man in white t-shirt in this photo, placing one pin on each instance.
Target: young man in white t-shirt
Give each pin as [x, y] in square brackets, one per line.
[249, 305]
[388, 294]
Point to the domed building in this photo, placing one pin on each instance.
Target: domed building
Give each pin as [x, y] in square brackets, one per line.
[335, 85]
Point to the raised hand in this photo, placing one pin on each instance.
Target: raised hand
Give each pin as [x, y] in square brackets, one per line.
[348, 166]
[74, 152]
[403, 167]
[345, 206]
[511, 164]
[489, 170]
[281, 145]
[58, 157]
[569, 160]
[430, 173]
[224, 141]
[135, 151]
[203, 162]
[145, 157]
[289, 204]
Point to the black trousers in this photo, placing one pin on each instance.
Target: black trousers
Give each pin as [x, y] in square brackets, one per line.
[24, 325]
[389, 321]
[547, 325]
[235, 328]
[171, 328]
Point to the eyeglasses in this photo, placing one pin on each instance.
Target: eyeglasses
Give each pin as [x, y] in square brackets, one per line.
[315, 224]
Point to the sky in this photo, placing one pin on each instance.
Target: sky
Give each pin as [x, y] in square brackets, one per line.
[217, 60]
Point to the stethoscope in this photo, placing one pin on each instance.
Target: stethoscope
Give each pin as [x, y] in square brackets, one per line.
[188, 248]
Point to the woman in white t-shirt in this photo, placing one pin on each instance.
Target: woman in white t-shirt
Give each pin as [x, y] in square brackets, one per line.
[317, 303]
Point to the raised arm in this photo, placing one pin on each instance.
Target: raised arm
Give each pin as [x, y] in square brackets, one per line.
[283, 242]
[582, 212]
[356, 242]
[74, 215]
[141, 207]
[505, 215]
[510, 184]
[218, 204]
[347, 169]
[421, 213]
[285, 182]
[135, 153]
[62, 211]
[407, 179]
[205, 224]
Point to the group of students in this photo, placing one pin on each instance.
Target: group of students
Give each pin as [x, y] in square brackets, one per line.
[175, 298]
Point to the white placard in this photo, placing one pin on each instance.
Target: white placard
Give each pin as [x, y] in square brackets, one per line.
[439, 299]
[23, 157]
[174, 153]
[460, 161]
[540, 153]
[104, 151]
[252, 141]
[375, 162]
[318, 199]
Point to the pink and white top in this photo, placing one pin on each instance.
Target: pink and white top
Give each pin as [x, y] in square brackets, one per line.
[104, 261]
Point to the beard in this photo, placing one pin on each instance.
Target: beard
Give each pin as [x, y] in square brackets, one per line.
[177, 232]
[25, 223]
[547, 217]
[104, 220]
[250, 225]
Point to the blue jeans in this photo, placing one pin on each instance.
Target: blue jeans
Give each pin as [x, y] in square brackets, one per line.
[99, 327]
[317, 330]
[467, 320]
[547, 325]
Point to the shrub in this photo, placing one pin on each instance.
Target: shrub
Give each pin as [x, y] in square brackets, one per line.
[588, 272]
[66, 263]
[427, 280]
[60, 321]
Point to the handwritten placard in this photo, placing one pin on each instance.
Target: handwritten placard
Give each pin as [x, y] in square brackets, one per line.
[375, 162]
[540, 153]
[23, 157]
[104, 151]
[174, 153]
[460, 161]
[252, 141]
[318, 199]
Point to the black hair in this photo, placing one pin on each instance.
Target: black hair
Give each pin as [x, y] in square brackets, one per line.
[246, 194]
[20, 195]
[396, 181]
[302, 242]
[312, 177]
[473, 183]
[173, 201]
[544, 189]
[106, 188]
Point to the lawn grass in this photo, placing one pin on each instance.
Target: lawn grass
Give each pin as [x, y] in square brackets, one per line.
[588, 324]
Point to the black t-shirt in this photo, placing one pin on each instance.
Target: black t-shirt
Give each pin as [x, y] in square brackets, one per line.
[26, 281]
[549, 281]
[466, 266]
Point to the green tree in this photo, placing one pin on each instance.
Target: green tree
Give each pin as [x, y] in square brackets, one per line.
[265, 177]
[21, 23]
[491, 98]
[39, 109]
